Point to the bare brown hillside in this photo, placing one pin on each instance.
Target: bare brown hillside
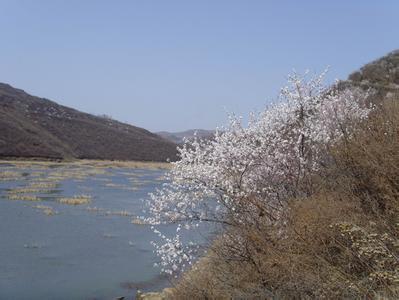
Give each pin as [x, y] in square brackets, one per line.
[35, 127]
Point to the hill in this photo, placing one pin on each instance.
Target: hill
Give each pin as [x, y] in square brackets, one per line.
[36, 127]
[178, 137]
[381, 75]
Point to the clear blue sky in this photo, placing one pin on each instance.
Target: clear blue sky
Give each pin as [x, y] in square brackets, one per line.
[175, 65]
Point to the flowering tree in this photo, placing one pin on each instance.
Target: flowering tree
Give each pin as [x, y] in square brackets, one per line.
[248, 173]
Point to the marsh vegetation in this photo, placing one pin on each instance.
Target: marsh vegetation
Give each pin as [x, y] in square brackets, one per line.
[73, 229]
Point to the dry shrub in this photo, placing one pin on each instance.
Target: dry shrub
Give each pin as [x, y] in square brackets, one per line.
[367, 164]
[341, 242]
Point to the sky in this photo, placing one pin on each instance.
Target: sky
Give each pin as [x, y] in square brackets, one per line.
[177, 65]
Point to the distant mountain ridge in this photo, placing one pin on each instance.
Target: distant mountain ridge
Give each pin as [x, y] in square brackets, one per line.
[36, 127]
[178, 137]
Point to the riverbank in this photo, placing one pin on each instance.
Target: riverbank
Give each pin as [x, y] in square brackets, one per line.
[22, 162]
[166, 293]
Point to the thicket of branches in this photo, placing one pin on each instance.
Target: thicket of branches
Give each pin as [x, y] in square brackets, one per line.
[339, 242]
[305, 196]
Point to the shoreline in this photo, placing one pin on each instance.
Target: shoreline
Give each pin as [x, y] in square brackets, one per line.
[166, 293]
[87, 162]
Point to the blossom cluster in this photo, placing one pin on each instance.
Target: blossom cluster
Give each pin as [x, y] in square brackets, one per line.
[175, 254]
[375, 250]
[248, 171]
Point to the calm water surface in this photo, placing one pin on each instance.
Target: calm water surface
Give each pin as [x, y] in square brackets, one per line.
[88, 251]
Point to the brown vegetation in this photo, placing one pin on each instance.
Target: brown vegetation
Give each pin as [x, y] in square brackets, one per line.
[33, 127]
[339, 241]
[76, 200]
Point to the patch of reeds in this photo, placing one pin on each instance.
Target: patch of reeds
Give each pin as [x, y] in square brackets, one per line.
[10, 175]
[139, 221]
[122, 213]
[76, 200]
[47, 210]
[23, 197]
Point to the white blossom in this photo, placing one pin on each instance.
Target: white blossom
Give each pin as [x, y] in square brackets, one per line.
[263, 161]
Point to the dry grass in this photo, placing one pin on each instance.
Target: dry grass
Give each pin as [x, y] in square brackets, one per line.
[89, 163]
[26, 190]
[22, 190]
[34, 188]
[43, 185]
[10, 175]
[126, 164]
[47, 210]
[94, 209]
[340, 242]
[114, 185]
[23, 197]
[76, 200]
[139, 221]
[121, 213]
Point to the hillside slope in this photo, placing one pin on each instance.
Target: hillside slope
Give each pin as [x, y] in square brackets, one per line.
[178, 137]
[37, 127]
[383, 72]
[380, 75]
